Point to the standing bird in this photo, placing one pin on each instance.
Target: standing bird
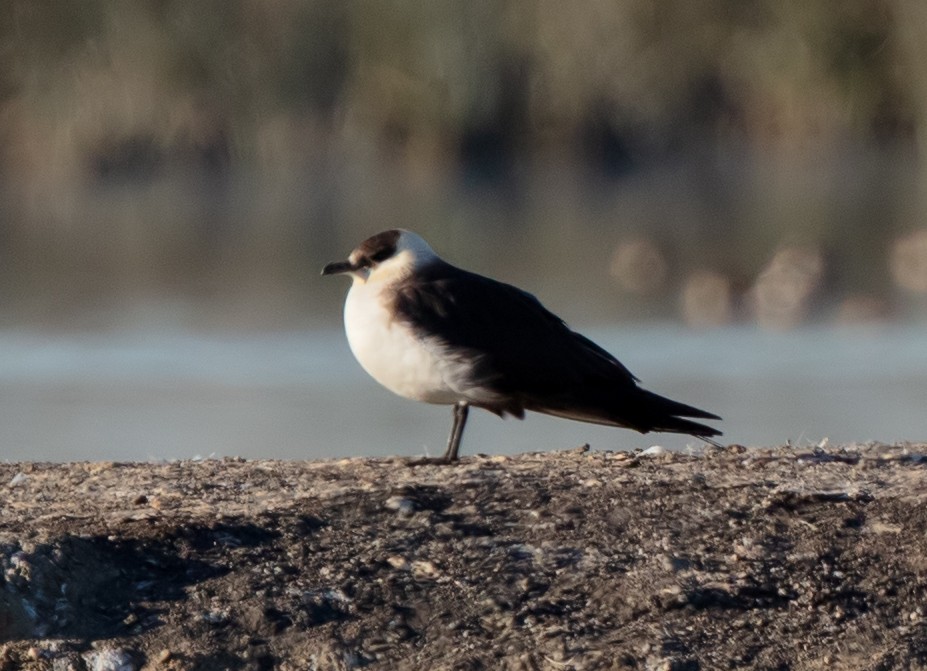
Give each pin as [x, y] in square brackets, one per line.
[432, 332]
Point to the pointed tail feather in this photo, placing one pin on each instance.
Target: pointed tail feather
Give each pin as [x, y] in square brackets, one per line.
[636, 409]
[675, 408]
[678, 425]
[662, 414]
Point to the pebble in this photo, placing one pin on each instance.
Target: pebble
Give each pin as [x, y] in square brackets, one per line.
[399, 563]
[109, 659]
[216, 617]
[424, 569]
[401, 504]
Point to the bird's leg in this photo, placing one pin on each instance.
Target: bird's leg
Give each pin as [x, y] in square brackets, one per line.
[711, 442]
[461, 410]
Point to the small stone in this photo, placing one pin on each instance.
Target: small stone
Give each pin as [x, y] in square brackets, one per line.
[401, 504]
[164, 656]
[424, 569]
[109, 659]
[397, 562]
[216, 617]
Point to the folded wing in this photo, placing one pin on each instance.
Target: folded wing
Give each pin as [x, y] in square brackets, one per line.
[529, 356]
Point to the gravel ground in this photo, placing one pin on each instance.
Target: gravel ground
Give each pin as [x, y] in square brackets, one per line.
[740, 558]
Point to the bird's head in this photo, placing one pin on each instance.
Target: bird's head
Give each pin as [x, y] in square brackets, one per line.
[384, 257]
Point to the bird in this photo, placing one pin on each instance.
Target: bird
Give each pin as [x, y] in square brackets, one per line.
[432, 332]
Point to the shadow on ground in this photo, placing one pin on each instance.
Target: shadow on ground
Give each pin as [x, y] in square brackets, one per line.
[97, 587]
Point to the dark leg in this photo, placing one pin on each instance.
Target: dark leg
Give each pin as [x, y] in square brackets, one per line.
[710, 441]
[461, 410]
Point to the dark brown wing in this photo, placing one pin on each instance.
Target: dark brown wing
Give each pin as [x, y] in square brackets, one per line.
[528, 354]
[522, 347]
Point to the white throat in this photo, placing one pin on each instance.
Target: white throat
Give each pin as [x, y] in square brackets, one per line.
[403, 361]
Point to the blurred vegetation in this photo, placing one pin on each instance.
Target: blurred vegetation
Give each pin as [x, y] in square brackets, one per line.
[224, 149]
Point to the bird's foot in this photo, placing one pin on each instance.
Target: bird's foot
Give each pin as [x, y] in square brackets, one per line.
[431, 461]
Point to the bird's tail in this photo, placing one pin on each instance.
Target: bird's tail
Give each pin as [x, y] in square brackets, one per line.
[636, 409]
[658, 413]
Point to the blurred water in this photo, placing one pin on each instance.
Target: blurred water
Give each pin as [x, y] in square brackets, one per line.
[154, 395]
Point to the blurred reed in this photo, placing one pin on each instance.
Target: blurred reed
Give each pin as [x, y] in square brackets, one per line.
[750, 161]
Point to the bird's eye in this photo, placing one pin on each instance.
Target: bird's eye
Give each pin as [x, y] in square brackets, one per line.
[381, 255]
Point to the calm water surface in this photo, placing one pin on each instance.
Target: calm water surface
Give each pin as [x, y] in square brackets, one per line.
[295, 395]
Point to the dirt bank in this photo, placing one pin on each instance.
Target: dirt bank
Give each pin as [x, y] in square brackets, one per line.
[749, 559]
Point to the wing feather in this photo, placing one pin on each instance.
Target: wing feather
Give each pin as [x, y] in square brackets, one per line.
[529, 357]
[521, 348]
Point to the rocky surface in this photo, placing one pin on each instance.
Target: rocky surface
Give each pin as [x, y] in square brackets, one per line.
[739, 558]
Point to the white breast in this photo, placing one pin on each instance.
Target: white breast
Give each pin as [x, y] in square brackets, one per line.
[391, 353]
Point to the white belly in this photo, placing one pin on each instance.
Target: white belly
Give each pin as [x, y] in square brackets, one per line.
[389, 351]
